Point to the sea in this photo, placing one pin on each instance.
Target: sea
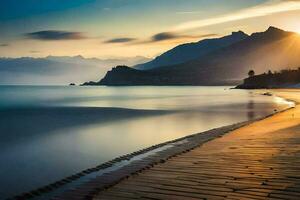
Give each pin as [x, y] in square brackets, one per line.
[50, 132]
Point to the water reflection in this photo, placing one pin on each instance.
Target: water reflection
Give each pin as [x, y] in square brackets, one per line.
[63, 130]
[250, 107]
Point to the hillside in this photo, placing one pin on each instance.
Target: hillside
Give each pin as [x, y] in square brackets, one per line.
[284, 78]
[273, 49]
[187, 52]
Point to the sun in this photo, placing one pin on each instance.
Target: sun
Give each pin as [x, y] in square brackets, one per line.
[296, 29]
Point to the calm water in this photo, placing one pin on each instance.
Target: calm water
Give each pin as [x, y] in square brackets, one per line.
[47, 133]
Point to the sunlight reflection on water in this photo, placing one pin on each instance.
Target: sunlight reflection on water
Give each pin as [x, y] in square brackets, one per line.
[63, 130]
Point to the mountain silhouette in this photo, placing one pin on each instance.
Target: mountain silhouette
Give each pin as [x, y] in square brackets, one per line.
[273, 49]
[191, 51]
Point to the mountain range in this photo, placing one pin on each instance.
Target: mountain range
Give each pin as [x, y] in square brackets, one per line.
[57, 70]
[190, 51]
[218, 61]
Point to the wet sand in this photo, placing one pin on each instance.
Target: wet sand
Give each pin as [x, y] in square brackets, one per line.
[258, 161]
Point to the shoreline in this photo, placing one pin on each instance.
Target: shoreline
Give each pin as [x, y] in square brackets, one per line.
[258, 161]
[40, 192]
[177, 146]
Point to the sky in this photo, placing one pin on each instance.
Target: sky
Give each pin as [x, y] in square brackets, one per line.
[129, 28]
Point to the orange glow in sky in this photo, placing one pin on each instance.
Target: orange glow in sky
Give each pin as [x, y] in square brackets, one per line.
[107, 29]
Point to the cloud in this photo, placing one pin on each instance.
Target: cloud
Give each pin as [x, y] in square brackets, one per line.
[55, 35]
[164, 36]
[4, 45]
[268, 8]
[120, 40]
[171, 35]
[159, 37]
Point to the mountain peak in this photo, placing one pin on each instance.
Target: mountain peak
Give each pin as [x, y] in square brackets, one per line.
[79, 57]
[274, 29]
[238, 33]
[271, 33]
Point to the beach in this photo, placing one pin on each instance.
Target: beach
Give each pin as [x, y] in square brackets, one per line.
[255, 160]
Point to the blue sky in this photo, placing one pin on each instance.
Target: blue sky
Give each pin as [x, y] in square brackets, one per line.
[124, 28]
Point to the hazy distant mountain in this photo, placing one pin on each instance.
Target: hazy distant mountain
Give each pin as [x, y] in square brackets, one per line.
[273, 49]
[100, 62]
[186, 52]
[57, 69]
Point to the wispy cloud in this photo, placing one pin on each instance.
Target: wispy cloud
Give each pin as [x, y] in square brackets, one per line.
[55, 35]
[120, 40]
[164, 36]
[268, 8]
[172, 35]
[4, 45]
[158, 37]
